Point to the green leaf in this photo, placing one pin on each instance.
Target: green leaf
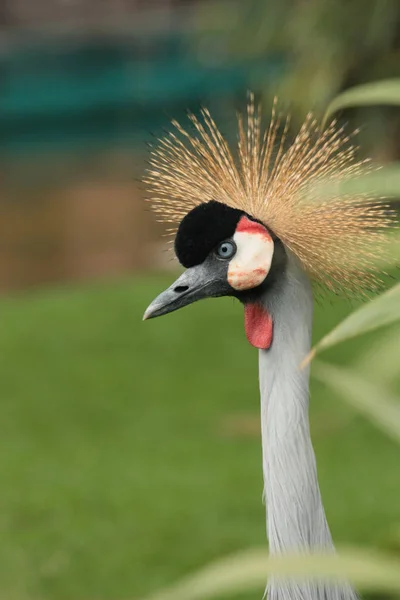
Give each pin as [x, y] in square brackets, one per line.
[382, 310]
[369, 94]
[379, 184]
[376, 403]
[380, 359]
[247, 572]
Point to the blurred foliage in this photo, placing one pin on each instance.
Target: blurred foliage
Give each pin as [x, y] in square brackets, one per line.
[381, 310]
[372, 400]
[330, 46]
[386, 92]
[380, 183]
[127, 459]
[369, 571]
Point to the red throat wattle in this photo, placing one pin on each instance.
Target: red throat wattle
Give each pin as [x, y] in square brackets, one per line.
[258, 325]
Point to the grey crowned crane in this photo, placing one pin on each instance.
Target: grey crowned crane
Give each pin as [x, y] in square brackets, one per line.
[249, 225]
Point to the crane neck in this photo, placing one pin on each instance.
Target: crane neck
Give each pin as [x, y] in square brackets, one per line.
[296, 520]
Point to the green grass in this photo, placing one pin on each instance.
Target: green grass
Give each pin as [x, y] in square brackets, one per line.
[117, 471]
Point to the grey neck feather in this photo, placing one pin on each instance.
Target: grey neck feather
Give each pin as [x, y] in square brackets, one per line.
[296, 519]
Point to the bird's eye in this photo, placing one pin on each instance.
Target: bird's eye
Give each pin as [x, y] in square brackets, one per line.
[226, 249]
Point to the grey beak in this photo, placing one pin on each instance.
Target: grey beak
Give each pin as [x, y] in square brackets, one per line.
[194, 284]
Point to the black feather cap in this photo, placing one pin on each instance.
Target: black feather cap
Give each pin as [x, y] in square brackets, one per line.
[202, 229]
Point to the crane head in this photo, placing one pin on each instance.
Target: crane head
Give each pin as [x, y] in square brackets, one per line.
[238, 216]
[226, 253]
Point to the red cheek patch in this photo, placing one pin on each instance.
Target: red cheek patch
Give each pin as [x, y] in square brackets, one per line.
[245, 225]
[258, 326]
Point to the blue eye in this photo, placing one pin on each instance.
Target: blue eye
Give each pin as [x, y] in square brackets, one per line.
[226, 249]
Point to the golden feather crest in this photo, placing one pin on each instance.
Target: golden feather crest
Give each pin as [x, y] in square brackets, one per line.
[336, 240]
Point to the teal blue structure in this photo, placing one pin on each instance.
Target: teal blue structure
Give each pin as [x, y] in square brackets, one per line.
[73, 94]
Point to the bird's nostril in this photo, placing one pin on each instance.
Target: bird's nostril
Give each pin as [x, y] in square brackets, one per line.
[181, 288]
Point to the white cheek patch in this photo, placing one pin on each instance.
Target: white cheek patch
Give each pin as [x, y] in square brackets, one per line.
[252, 261]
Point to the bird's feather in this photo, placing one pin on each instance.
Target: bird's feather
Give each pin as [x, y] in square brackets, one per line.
[337, 240]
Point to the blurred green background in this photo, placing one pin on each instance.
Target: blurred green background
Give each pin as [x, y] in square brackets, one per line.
[130, 452]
